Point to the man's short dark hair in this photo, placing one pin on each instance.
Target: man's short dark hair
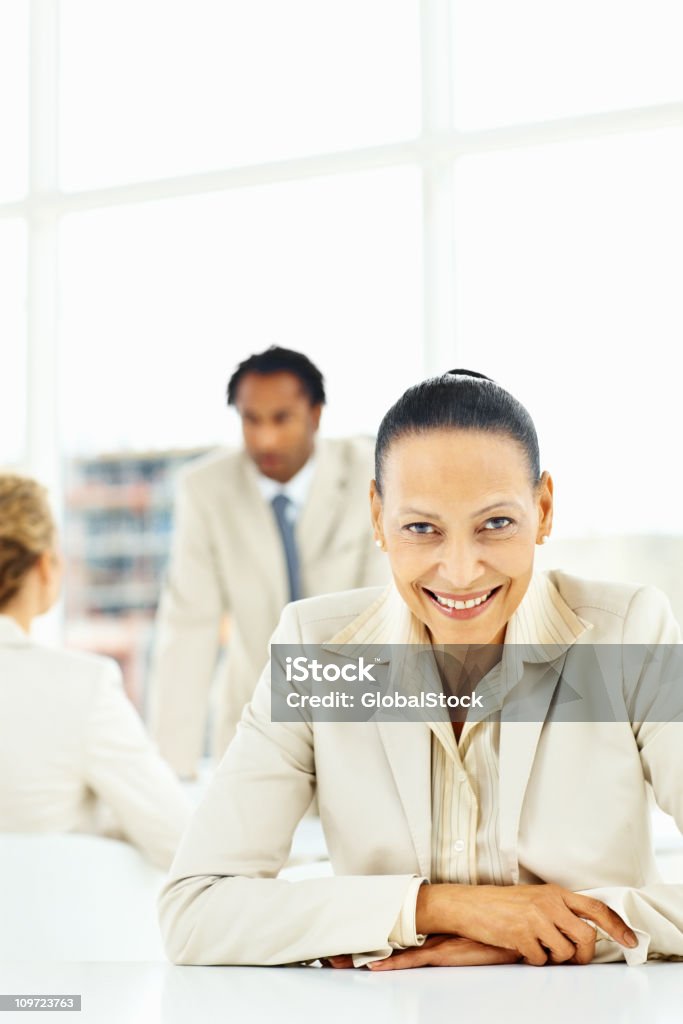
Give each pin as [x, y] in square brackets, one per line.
[281, 360]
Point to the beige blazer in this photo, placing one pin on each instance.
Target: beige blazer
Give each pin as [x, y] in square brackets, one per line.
[573, 807]
[74, 755]
[227, 557]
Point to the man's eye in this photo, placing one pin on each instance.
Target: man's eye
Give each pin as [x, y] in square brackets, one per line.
[420, 528]
[497, 523]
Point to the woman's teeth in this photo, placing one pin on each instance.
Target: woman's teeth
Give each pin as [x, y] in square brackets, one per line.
[461, 605]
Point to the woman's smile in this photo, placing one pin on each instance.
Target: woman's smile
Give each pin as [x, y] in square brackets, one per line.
[462, 606]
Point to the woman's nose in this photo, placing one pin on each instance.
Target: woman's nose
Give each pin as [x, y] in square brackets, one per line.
[461, 565]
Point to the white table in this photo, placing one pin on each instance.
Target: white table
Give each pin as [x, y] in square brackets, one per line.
[150, 993]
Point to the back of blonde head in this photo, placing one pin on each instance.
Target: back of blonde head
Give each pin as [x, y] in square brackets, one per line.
[27, 529]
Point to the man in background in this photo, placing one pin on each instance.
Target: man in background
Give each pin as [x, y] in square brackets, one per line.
[285, 517]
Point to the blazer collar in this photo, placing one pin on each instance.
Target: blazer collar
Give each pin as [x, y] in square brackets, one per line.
[544, 625]
[11, 632]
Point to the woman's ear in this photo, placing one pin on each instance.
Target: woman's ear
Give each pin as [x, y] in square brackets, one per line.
[49, 571]
[45, 567]
[545, 507]
[376, 514]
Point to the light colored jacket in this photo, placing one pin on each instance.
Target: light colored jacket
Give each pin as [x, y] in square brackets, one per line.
[74, 754]
[227, 557]
[573, 807]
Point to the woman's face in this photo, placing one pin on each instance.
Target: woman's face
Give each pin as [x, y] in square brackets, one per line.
[459, 519]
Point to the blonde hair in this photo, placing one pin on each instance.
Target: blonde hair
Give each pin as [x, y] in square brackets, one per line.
[27, 529]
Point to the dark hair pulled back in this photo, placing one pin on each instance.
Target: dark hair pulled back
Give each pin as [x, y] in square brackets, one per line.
[458, 400]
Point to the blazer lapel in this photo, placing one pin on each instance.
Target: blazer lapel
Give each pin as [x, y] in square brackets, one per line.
[518, 742]
[407, 745]
[325, 505]
[537, 640]
[259, 539]
[408, 749]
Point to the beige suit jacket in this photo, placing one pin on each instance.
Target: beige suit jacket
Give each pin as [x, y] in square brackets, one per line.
[573, 807]
[227, 557]
[74, 755]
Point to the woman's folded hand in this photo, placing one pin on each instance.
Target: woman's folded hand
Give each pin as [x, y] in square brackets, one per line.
[539, 923]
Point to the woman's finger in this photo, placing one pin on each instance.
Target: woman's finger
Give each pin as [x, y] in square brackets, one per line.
[481, 955]
[558, 945]
[581, 933]
[447, 953]
[398, 961]
[603, 916]
[341, 961]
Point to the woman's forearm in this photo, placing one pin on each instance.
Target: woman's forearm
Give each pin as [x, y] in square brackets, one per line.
[209, 919]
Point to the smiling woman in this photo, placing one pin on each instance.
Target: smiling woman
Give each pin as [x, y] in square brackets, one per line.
[532, 831]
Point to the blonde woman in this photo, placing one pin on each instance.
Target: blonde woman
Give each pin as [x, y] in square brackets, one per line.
[71, 743]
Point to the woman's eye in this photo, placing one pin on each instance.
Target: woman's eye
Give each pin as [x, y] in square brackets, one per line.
[420, 528]
[497, 523]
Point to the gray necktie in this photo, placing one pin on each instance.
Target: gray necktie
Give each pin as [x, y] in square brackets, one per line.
[281, 505]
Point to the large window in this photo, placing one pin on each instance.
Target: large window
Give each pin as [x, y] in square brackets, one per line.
[160, 301]
[396, 187]
[14, 125]
[14, 90]
[531, 60]
[152, 88]
[13, 345]
[570, 263]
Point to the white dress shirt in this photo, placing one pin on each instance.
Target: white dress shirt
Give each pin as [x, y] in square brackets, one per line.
[297, 489]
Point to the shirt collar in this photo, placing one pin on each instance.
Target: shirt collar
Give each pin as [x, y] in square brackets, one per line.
[296, 489]
[544, 625]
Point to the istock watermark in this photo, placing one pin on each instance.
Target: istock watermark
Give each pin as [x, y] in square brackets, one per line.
[510, 683]
[301, 670]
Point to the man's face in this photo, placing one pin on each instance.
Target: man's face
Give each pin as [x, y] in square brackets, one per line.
[278, 423]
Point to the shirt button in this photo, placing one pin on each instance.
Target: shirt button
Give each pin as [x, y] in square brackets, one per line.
[459, 845]
[462, 777]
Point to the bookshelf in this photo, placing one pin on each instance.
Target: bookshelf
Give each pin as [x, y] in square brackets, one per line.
[117, 534]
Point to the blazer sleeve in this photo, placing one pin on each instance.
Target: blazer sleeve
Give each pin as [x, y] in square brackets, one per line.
[223, 903]
[187, 638]
[655, 912]
[125, 770]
